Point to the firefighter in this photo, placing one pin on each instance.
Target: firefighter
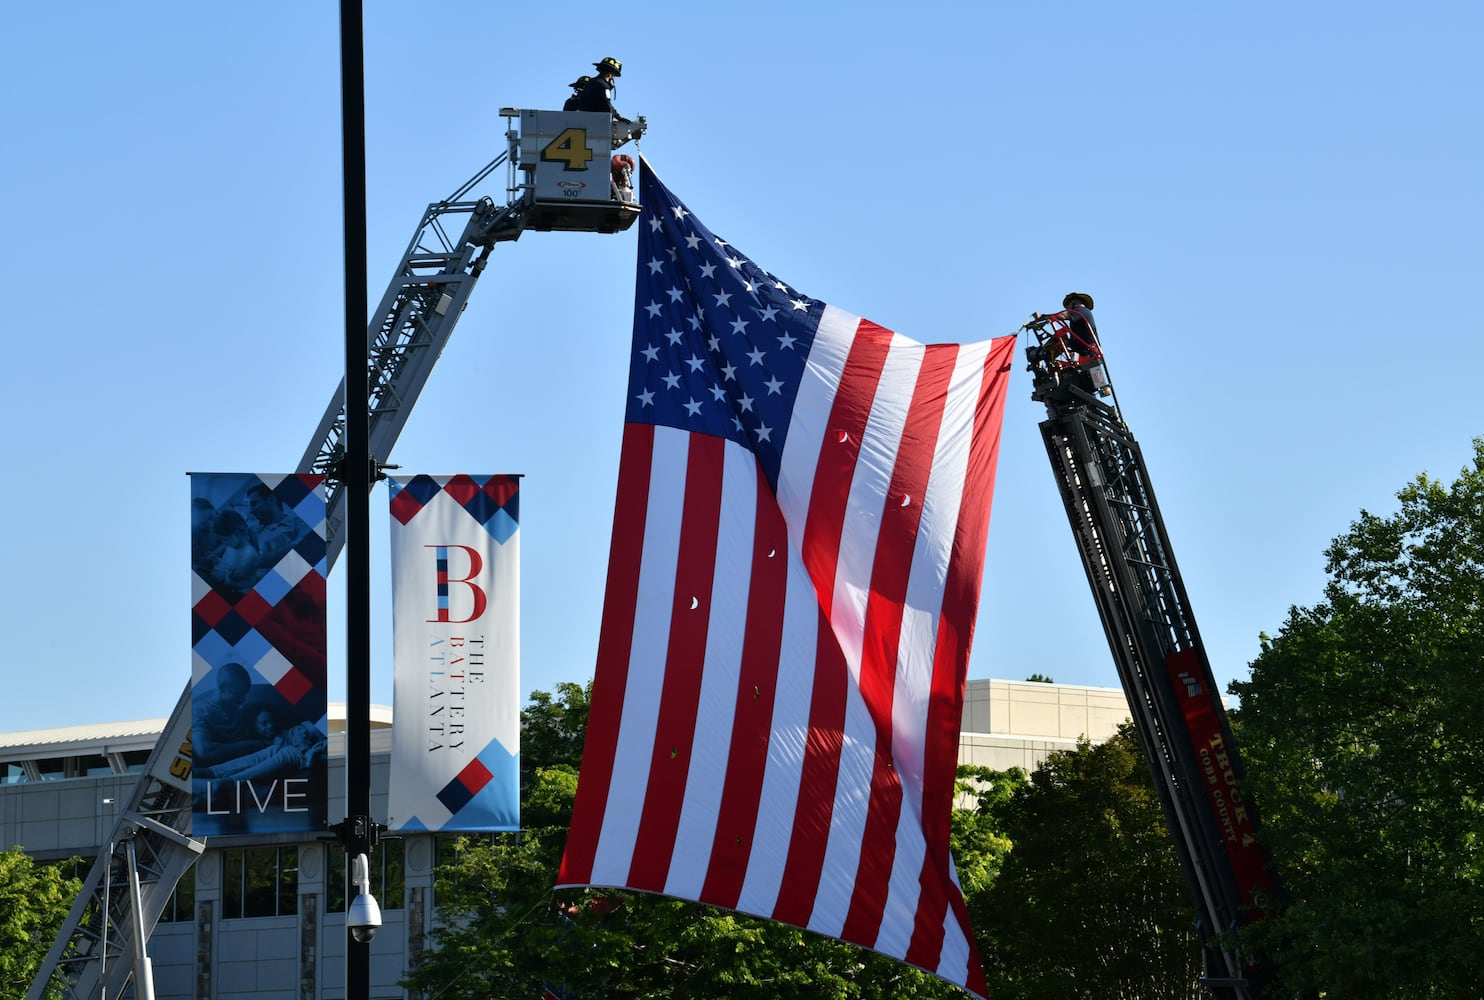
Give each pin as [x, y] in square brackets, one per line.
[1079, 317]
[597, 95]
[1084, 348]
[621, 169]
[576, 85]
[1080, 339]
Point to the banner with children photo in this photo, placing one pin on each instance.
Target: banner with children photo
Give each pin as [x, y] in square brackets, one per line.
[259, 730]
[456, 662]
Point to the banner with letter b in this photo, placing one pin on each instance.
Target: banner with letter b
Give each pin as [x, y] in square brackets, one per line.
[456, 653]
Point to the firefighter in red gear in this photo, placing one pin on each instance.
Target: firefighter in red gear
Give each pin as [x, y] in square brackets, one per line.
[1084, 329]
[622, 169]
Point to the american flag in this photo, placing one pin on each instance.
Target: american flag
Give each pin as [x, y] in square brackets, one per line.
[799, 530]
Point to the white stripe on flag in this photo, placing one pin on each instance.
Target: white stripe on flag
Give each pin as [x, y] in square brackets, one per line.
[786, 745]
[641, 707]
[934, 549]
[706, 778]
[848, 820]
[806, 431]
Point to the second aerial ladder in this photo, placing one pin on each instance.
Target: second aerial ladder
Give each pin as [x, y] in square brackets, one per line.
[1151, 631]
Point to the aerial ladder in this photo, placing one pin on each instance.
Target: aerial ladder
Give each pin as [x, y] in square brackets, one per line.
[1162, 664]
[561, 176]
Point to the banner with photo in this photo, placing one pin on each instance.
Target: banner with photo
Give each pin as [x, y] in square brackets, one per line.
[456, 661]
[259, 730]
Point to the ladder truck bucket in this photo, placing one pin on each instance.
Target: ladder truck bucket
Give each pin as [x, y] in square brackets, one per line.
[1065, 367]
[571, 179]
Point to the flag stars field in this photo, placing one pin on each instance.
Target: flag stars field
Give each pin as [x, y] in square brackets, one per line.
[687, 388]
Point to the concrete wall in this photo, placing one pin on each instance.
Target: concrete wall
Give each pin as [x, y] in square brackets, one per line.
[59, 819]
[1018, 723]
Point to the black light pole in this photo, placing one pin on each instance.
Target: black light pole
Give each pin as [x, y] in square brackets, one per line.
[358, 832]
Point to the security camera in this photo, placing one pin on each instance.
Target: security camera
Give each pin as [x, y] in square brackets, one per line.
[363, 916]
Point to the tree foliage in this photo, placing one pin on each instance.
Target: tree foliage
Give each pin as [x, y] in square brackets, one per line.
[34, 900]
[977, 840]
[1361, 728]
[1089, 901]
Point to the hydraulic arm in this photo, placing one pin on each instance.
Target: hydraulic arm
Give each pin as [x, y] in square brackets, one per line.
[150, 847]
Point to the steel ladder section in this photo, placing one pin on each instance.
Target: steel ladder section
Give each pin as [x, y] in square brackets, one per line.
[1130, 566]
[406, 336]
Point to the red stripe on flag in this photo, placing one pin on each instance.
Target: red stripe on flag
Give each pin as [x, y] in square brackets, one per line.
[615, 640]
[890, 572]
[816, 805]
[752, 722]
[675, 727]
[830, 493]
[829, 498]
[950, 667]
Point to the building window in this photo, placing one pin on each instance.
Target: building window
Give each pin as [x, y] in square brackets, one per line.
[88, 765]
[182, 902]
[260, 882]
[393, 868]
[388, 876]
[337, 878]
[54, 768]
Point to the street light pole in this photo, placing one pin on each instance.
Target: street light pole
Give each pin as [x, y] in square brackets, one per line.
[358, 832]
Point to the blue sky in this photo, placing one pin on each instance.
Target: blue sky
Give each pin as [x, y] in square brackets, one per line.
[1277, 207]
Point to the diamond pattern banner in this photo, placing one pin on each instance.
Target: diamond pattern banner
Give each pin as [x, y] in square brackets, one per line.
[456, 665]
[259, 729]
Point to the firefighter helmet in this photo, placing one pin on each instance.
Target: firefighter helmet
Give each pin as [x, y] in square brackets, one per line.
[609, 65]
[1077, 299]
[580, 82]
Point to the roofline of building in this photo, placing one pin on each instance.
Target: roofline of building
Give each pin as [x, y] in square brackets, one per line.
[141, 734]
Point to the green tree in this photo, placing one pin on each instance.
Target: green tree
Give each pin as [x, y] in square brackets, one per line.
[1361, 730]
[978, 842]
[1090, 901]
[553, 726]
[34, 900]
